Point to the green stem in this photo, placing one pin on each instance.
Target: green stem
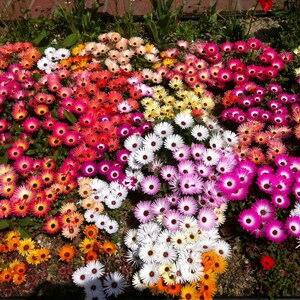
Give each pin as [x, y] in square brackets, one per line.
[252, 18]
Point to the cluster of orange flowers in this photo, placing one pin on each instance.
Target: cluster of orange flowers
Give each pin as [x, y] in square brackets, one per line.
[16, 271]
[259, 144]
[213, 265]
[90, 246]
[25, 53]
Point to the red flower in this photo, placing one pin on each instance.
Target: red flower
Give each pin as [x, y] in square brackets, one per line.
[266, 4]
[267, 262]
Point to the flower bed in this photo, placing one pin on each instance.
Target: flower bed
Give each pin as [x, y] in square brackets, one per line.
[119, 163]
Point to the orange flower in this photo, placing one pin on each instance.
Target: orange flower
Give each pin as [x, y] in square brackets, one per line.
[174, 289]
[91, 231]
[161, 286]
[256, 155]
[43, 255]
[13, 244]
[109, 247]
[66, 253]
[91, 255]
[20, 269]
[6, 275]
[19, 279]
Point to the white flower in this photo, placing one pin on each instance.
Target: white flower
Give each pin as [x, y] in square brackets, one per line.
[152, 141]
[62, 53]
[93, 289]
[111, 226]
[147, 252]
[138, 283]
[149, 273]
[91, 215]
[118, 190]
[216, 141]
[166, 254]
[144, 155]
[98, 185]
[148, 232]
[200, 132]
[133, 163]
[133, 142]
[80, 277]
[211, 157]
[101, 221]
[124, 107]
[130, 239]
[114, 284]
[44, 64]
[223, 249]
[173, 142]
[113, 202]
[230, 137]
[178, 240]
[94, 269]
[184, 119]
[163, 129]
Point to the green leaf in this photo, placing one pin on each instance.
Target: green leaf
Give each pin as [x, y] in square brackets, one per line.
[4, 159]
[71, 40]
[40, 38]
[26, 222]
[4, 224]
[70, 117]
[36, 77]
[24, 233]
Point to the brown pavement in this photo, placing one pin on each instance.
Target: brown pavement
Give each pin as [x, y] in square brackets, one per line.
[11, 9]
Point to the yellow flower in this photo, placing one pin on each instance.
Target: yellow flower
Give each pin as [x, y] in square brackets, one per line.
[182, 94]
[176, 84]
[189, 292]
[26, 245]
[199, 91]
[156, 65]
[207, 103]
[151, 115]
[169, 62]
[147, 101]
[169, 100]
[43, 255]
[13, 234]
[77, 49]
[179, 105]
[32, 257]
[86, 245]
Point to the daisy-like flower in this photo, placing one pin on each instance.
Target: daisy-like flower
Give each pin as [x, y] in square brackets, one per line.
[206, 218]
[187, 206]
[223, 249]
[182, 153]
[94, 290]
[163, 129]
[138, 283]
[143, 211]
[280, 200]
[211, 157]
[94, 269]
[293, 226]
[151, 185]
[148, 253]
[173, 142]
[249, 220]
[149, 273]
[133, 142]
[228, 182]
[264, 209]
[114, 284]
[184, 119]
[169, 172]
[172, 220]
[80, 277]
[200, 132]
[144, 155]
[130, 239]
[190, 184]
[111, 226]
[152, 142]
[165, 254]
[275, 231]
[101, 221]
[197, 150]
[160, 206]
[178, 240]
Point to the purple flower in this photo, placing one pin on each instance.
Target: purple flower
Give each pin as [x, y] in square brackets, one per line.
[206, 218]
[160, 206]
[203, 170]
[240, 194]
[122, 156]
[186, 167]
[293, 226]
[296, 190]
[275, 232]
[104, 166]
[151, 185]
[264, 209]
[265, 170]
[190, 184]
[172, 220]
[182, 153]
[115, 173]
[265, 183]
[169, 172]
[249, 220]
[280, 200]
[187, 206]
[124, 130]
[143, 211]
[228, 182]
[89, 169]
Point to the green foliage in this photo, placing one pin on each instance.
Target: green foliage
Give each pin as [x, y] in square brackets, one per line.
[80, 23]
[25, 28]
[162, 21]
[288, 37]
